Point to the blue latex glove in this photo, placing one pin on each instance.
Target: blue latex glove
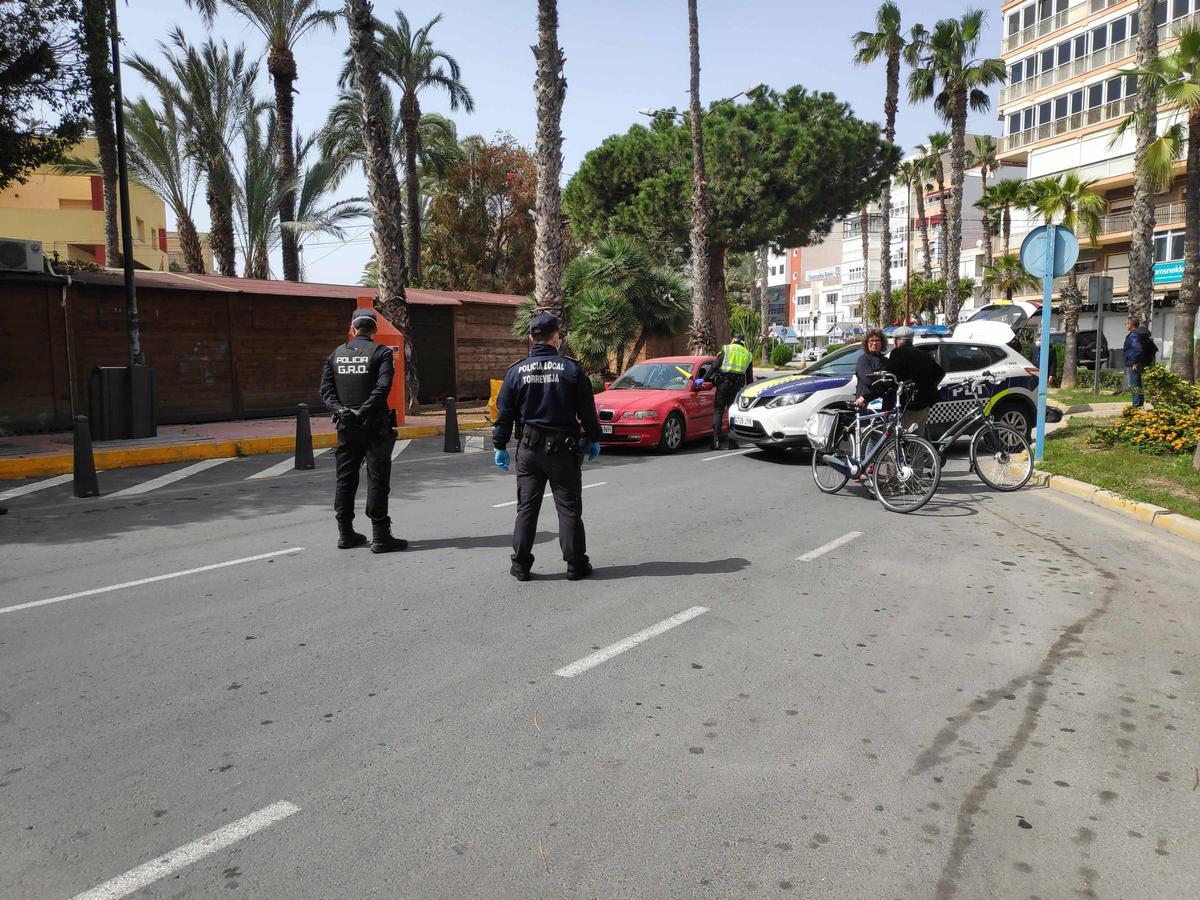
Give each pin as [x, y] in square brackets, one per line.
[592, 451]
[698, 382]
[502, 460]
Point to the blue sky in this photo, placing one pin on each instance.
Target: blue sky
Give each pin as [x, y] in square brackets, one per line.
[622, 55]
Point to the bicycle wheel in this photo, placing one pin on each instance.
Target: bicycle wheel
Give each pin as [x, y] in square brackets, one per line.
[1001, 457]
[829, 479]
[907, 474]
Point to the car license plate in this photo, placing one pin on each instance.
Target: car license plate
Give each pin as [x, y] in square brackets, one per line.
[742, 420]
[606, 429]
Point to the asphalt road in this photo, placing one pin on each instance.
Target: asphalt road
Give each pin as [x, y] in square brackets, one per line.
[995, 697]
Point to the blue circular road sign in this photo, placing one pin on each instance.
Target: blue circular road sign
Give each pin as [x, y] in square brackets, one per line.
[1036, 246]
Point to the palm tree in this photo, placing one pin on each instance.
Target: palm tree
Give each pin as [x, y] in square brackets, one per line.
[864, 230]
[282, 23]
[212, 91]
[922, 172]
[315, 212]
[158, 160]
[704, 325]
[549, 90]
[1145, 115]
[909, 172]
[888, 42]
[383, 187]
[96, 34]
[1175, 78]
[258, 191]
[762, 258]
[933, 154]
[1072, 201]
[1001, 199]
[957, 82]
[1008, 275]
[411, 60]
[983, 158]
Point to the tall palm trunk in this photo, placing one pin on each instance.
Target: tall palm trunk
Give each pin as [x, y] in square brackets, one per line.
[944, 224]
[953, 217]
[1005, 233]
[1141, 243]
[928, 266]
[719, 312]
[189, 243]
[1071, 300]
[257, 264]
[99, 73]
[1183, 353]
[864, 228]
[218, 193]
[410, 117]
[550, 89]
[987, 220]
[890, 105]
[281, 65]
[763, 258]
[703, 335]
[383, 187]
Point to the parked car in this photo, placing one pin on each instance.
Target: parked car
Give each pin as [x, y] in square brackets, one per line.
[657, 404]
[772, 414]
[1085, 344]
[812, 354]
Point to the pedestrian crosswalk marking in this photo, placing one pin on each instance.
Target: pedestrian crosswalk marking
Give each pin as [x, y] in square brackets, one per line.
[32, 486]
[400, 447]
[163, 480]
[279, 468]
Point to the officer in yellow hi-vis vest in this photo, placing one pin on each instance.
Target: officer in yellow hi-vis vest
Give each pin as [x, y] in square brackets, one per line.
[732, 371]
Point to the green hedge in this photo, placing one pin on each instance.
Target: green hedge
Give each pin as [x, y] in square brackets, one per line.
[782, 354]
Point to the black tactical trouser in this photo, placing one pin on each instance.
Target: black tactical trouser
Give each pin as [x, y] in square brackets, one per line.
[564, 471]
[725, 394]
[354, 445]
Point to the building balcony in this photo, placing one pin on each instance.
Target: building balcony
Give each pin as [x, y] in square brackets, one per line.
[1101, 59]
[855, 289]
[1121, 224]
[1050, 24]
[1107, 112]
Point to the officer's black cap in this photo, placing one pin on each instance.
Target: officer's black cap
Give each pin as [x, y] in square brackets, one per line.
[363, 313]
[543, 325]
[739, 338]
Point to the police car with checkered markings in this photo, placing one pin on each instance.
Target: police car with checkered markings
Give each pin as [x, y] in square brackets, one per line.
[772, 414]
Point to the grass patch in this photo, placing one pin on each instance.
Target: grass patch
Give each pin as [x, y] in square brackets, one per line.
[1168, 481]
[1078, 396]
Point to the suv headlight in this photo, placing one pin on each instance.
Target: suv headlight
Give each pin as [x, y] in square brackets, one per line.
[640, 414]
[786, 400]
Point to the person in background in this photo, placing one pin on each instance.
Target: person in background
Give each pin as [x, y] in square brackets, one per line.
[910, 363]
[1140, 352]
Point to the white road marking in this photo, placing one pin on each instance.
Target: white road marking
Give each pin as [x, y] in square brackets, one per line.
[514, 502]
[473, 445]
[181, 857]
[400, 447]
[163, 480]
[594, 659]
[832, 545]
[36, 486]
[151, 580]
[286, 465]
[729, 453]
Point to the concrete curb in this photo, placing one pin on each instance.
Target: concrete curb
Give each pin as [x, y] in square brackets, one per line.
[63, 463]
[1157, 516]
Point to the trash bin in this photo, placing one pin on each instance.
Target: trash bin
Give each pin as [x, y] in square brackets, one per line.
[387, 335]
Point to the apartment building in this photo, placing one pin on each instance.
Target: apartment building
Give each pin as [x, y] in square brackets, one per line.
[816, 290]
[1064, 98]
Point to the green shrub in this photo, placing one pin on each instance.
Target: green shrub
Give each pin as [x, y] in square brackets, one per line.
[782, 354]
[1110, 379]
[1172, 427]
[831, 348]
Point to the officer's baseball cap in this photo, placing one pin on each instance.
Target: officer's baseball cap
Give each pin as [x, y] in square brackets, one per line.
[739, 338]
[543, 325]
[361, 314]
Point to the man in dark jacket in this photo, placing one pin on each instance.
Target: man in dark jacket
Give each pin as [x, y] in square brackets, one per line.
[1140, 351]
[909, 363]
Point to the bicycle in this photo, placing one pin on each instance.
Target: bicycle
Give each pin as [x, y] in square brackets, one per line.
[905, 469]
[999, 455]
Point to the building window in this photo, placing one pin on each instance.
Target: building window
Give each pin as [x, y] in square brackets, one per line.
[141, 231]
[1095, 95]
[830, 299]
[1116, 31]
[1168, 246]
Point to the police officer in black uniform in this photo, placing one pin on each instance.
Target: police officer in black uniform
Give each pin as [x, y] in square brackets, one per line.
[548, 398]
[354, 386]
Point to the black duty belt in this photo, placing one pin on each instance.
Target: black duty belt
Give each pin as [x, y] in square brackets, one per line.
[544, 441]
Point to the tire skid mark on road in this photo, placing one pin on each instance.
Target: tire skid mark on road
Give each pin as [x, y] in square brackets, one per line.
[182, 857]
[1060, 650]
[606, 653]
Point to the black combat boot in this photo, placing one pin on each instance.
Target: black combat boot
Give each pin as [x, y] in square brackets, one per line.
[519, 573]
[348, 537]
[382, 540]
[577, 571]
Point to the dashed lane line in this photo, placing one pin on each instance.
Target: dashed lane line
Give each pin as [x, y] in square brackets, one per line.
[514, 502]
[281, 467]
[182, 857]
[832, 545]
[606, 653]
[41, 485]
[129, 584]
[163, 480]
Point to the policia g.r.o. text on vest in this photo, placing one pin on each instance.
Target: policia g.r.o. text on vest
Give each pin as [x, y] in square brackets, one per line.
[354, 385]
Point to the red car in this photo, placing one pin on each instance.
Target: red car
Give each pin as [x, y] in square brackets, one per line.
[656, 404]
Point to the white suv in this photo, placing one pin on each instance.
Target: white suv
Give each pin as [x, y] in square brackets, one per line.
[772, 414]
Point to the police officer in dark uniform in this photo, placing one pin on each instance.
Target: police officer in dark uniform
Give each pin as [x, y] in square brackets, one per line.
[548, 398]
[354, 385]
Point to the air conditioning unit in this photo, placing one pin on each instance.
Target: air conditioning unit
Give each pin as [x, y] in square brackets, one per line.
[20, 256]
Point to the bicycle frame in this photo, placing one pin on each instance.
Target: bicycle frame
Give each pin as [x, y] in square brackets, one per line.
[891, 431]
[966, 425]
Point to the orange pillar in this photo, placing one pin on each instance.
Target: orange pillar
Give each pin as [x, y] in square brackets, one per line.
[388, 335]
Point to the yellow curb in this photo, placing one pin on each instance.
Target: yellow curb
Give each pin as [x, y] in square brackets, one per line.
[1182, 526]
[1080, 489]
[1143, 512]
[64, 463]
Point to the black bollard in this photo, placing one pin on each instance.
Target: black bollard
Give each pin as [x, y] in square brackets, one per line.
[453, 444]
[304, 448]
[84, 483]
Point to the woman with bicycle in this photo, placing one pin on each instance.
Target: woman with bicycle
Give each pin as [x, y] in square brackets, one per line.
[869, 365]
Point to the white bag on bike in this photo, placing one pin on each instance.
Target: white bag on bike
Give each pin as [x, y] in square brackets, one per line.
[821, 428]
